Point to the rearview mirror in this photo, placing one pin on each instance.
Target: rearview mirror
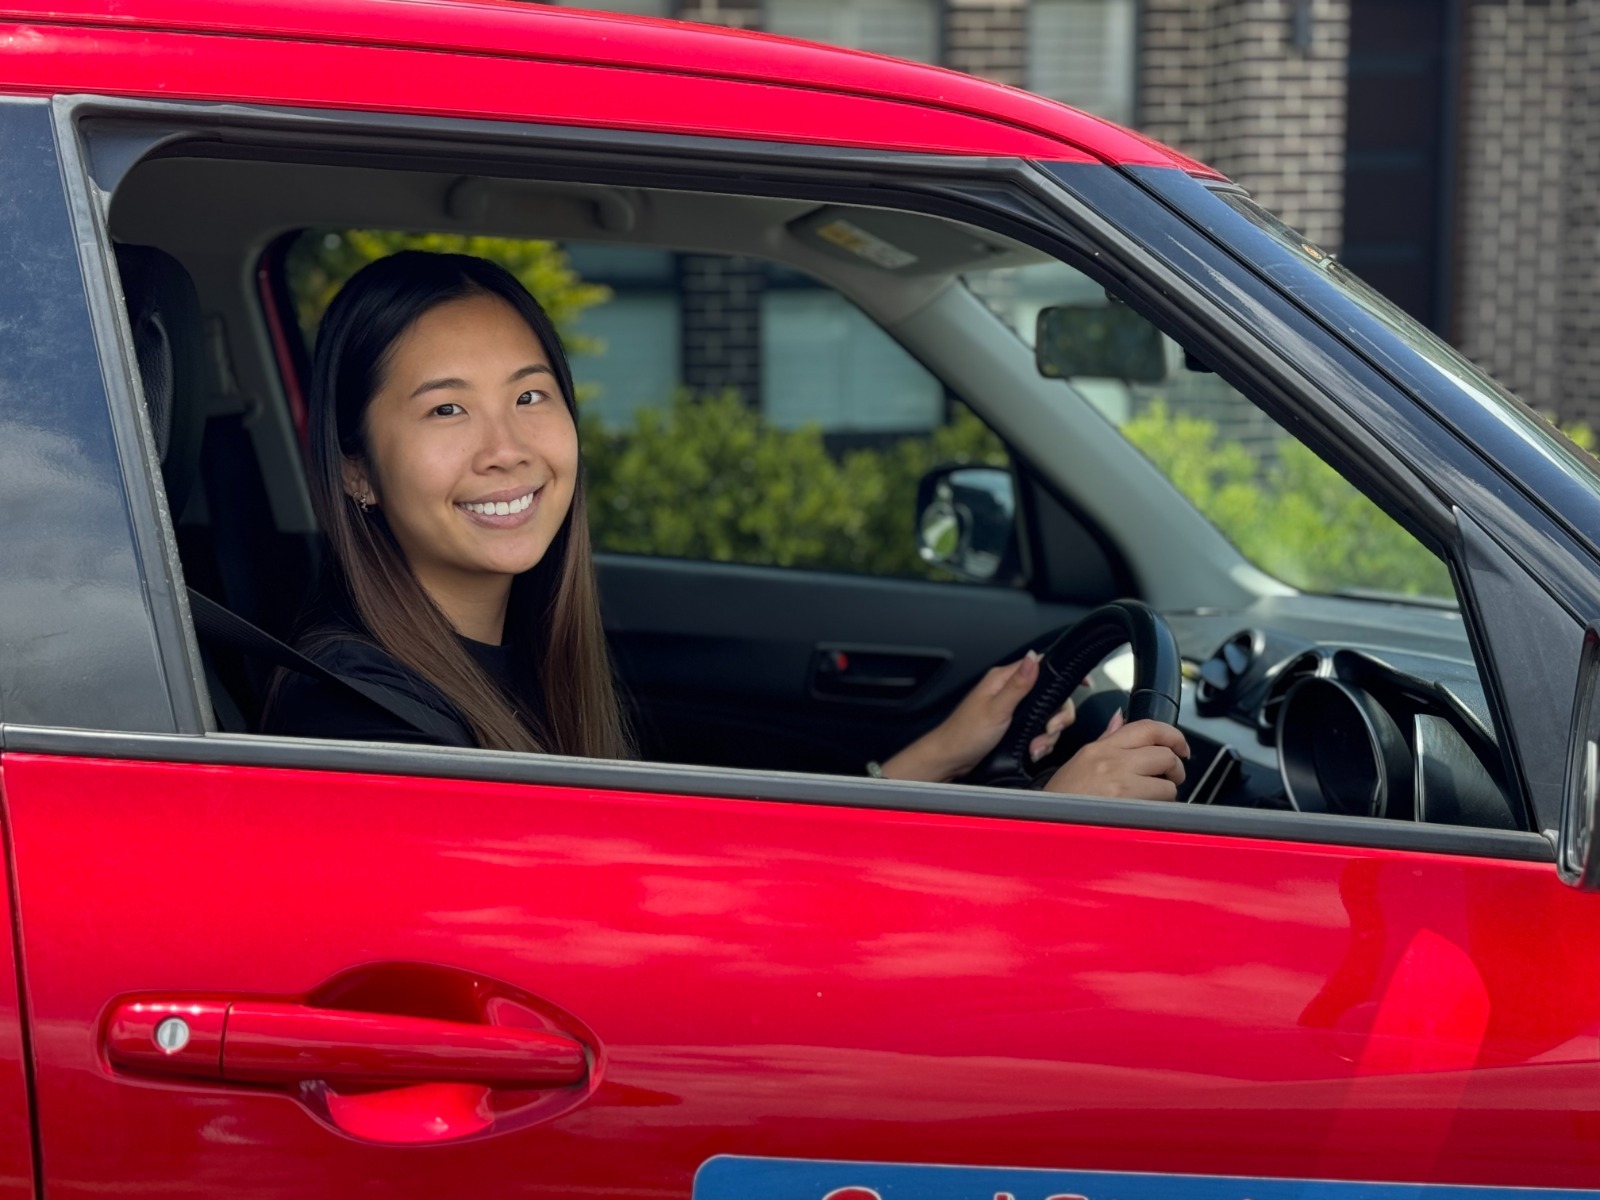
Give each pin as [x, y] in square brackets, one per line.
[966, 518]
[1098, 341]
[1577, 855]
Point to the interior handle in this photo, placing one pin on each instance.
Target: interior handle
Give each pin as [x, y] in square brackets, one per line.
[872, 672]
[249, 1041]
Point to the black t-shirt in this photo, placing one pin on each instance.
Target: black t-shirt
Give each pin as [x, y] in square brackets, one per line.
[303, 706]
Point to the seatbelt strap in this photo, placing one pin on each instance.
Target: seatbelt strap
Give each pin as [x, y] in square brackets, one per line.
[229, 715]
[213, 621]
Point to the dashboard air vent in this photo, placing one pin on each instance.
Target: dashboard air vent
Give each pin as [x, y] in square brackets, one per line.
[1220, 674]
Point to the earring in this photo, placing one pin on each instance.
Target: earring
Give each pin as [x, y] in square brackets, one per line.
[364, 503]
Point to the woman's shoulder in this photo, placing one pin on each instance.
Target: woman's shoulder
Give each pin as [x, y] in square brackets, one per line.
[372, 696]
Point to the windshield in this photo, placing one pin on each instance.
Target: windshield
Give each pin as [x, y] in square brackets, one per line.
[1561, 448]
[1286, 510]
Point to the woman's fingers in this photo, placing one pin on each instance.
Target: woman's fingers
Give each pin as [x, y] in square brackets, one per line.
[1062, 718]
[1144, 788]
[1132, 735]
[1156, 762]
[1139, 760]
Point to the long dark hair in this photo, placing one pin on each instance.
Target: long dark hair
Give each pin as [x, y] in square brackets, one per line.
[553, 626]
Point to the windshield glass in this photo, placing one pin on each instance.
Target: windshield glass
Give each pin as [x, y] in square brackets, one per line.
[1286, 510]
[1575, 460]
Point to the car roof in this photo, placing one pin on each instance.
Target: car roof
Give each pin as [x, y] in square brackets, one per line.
[67, 46]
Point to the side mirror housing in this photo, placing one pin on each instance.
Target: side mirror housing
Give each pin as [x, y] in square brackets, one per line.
[967, 520]
[1098, 341]
[1578, 842]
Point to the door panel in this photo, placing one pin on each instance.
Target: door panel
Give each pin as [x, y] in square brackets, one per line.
[722, 661]
[778, 979]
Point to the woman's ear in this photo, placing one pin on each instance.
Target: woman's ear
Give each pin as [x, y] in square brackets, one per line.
[356, 484]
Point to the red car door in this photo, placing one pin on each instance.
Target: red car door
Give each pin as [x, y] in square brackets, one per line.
[16, 1135]
[747, 977]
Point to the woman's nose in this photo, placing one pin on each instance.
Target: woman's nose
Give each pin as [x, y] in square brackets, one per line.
[504, 444]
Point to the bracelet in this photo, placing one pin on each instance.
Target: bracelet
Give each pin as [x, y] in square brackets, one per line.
[876, 770]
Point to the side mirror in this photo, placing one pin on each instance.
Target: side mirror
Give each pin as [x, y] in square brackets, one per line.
[966, 520]
[1098, 341]
[1577, 851]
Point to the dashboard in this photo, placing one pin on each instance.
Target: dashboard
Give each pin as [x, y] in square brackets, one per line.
[1336, 705]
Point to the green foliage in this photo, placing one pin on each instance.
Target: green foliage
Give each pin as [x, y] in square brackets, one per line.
[1296, 518]
[706, 477]
[1583, 437]
[321, 261]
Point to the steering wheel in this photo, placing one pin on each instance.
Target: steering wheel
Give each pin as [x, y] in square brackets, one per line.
[1074, 652]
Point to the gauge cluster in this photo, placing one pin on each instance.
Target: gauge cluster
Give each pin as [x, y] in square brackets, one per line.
[1402, 736]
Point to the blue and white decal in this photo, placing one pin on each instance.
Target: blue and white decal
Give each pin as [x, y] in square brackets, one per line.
[731, 1178]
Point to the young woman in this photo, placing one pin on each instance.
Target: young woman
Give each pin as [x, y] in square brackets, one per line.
[446, 475]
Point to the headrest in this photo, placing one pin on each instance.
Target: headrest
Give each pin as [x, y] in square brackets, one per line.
[169, 342]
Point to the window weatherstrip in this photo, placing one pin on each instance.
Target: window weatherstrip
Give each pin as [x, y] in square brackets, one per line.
[490, 766]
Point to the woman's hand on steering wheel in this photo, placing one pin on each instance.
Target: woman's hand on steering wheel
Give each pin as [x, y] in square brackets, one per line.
[961, 740]
[1137, 760]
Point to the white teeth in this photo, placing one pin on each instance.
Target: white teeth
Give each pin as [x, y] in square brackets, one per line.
[501, 508]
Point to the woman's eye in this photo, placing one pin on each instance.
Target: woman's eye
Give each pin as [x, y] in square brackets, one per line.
[531, 396]
[447, 409]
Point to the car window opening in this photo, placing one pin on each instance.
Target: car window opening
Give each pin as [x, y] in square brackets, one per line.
[716, 387]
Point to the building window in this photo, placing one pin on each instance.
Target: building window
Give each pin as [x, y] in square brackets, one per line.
[629, 357]
[1081, 52]
[902, 28]
[824, 363]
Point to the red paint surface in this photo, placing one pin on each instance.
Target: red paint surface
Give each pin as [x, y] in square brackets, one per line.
[778, 979]
[513, 61]
[16, 1146]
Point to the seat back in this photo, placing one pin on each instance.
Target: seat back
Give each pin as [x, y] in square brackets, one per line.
[169, 342]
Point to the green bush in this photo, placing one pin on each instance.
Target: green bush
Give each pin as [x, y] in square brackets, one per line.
[1297, 519]
[706, 477]
[321, 261]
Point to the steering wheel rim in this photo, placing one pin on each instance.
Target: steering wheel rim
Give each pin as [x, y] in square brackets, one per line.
[1072, 654]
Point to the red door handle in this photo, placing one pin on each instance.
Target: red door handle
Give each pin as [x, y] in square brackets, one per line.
[249, 1041]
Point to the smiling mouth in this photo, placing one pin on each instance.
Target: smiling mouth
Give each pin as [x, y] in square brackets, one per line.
[501, 508]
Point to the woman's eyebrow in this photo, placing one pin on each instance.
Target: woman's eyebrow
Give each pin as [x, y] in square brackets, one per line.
[452, 381]
[530, 369]
[434, 385]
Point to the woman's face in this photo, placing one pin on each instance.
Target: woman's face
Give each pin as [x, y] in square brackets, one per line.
[474, 456]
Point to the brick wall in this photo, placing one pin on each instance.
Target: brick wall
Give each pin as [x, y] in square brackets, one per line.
[721, 323]
[1579, 328]
[1513, 153]
[987, 38]
[1175, 83]
[1222, 80]
[721, 296]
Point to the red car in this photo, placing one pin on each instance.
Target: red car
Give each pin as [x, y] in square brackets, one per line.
[1364, 952]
